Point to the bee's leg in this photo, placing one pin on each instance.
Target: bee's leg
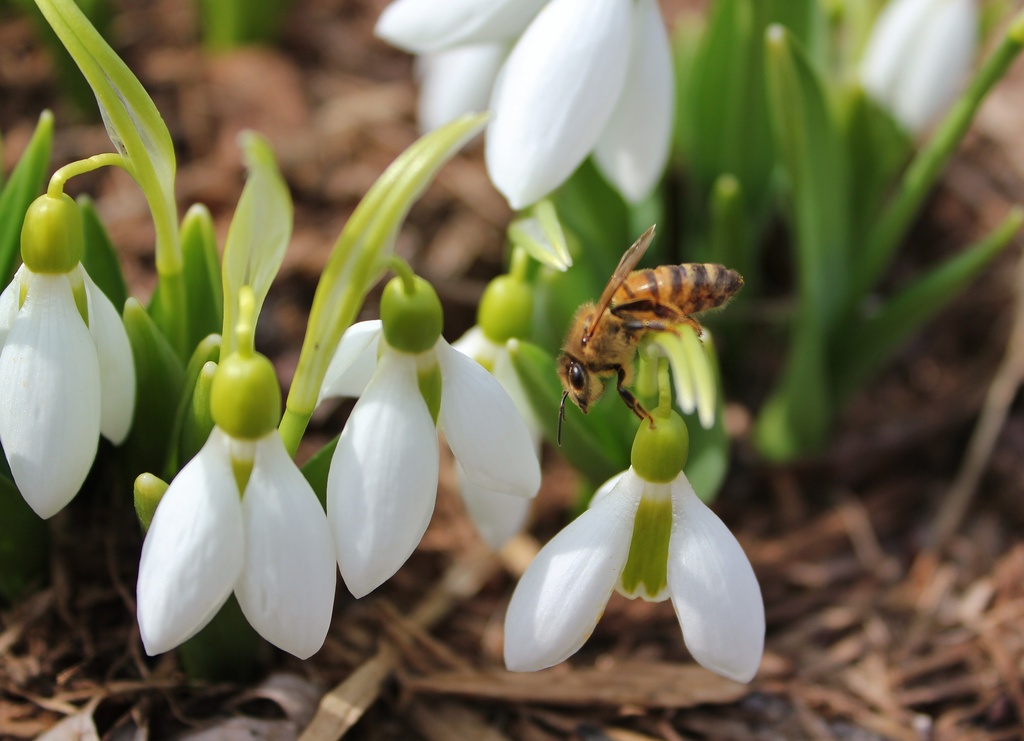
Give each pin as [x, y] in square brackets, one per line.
[628, 397]
[635, 325]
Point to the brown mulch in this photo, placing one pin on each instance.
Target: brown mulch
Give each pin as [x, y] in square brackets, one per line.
[875, 631]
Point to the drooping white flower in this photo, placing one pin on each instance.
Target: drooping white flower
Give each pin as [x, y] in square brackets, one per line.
[383, 477]
[583, 76]
[563, 593]
[456, 81]
[497, 515]
[64, 380]
[269, 544]
[918, 56]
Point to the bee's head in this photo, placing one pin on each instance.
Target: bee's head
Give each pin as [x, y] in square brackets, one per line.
[576, 381]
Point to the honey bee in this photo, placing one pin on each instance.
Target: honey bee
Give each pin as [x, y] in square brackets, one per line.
[603, 337]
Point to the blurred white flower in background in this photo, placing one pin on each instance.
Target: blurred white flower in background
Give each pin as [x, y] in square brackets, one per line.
[581, 77]
[918, 56]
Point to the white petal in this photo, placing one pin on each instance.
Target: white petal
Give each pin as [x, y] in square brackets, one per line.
[564, 591]
[354, 361]
[505, 373]
[194, 550]
[484, 430]
[9, 301]
[497, 516]
[714, 590]
[555, 95]
[633, 149]
[117, 365]
[456, 82]
[422, 26]
[383, 478]
[917, 56]
[49, 396]
[942, 59]
[286, 589]
[474, 344]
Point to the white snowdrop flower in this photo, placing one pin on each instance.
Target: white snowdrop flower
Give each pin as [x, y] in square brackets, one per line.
[918, 56]
[646, 538]
[382, 482]
[583, 76]
[66, 369]
[497, 516]
[456, 81]
[239, 517]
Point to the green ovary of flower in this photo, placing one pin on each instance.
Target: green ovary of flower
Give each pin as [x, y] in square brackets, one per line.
[506, 309]
[245, 400]
[659, 453]
[411, 314]
[52, 240]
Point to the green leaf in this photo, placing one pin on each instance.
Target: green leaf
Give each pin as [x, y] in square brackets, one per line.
[229, 24]
[594, 212]
[25, 183]
[867, 344]
[813, 156]
[198, 422]
[24, 544]
[259, 233]
[358, 260]
[878, 149]
[100, 257]
[924, 170]
[589, 443]
[796, 417]
[317, 467]
[141, 138]
[192, 425]
[158, 385]
[731, 238]
[201, 274]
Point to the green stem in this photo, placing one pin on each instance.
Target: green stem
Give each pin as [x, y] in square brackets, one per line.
[664, 389]
[61, 176]
[401, 268]
[930, 160]
[292, 428]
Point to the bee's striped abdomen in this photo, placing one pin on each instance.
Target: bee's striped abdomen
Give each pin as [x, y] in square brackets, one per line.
[692, 287]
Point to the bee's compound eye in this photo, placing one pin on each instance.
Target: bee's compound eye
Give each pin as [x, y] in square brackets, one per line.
[576, 379]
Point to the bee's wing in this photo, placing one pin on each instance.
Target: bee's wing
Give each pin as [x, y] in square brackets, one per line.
[626, 264]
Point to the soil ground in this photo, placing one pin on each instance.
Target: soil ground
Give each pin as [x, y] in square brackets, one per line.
[875, 631]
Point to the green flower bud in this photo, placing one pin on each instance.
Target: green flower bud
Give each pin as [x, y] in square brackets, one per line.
[148, 492]
[505, 309]
[245, 400]
[52, 240]
[659, 454]
[412, 320]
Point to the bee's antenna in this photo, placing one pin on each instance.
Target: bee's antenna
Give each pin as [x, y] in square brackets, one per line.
[561, 418]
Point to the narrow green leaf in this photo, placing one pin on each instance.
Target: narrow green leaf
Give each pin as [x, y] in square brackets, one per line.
[731, 238]
[796, 417]
[813, 157]
[866, 345]
[100, 256]
[24, 544]
[878, 149]
[25, 183]
[198, 422]
[201, 273]
[924, 170]
[317, 467]
[595, 213]
[588, 443]
[189, 422]
[258, 237]
[158, 384]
